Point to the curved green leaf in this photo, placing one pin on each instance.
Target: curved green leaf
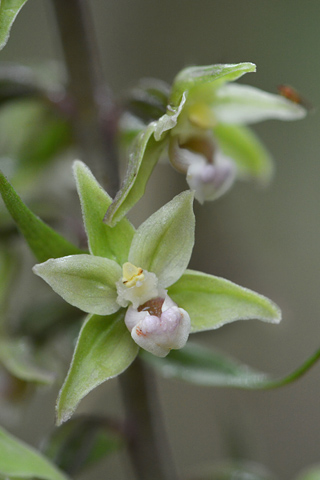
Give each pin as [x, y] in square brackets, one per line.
[163, 243]
[85, 281]
[196, 76]
[9, 9]
[104, 241]
[212, 301]
[250, 156]
[43, 241]
[205, 367]
[17, 459]
[142, 160]
[16, 356]
[104, 350]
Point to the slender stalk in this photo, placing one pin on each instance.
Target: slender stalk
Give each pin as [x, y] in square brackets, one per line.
[94, 121]
[148, 447]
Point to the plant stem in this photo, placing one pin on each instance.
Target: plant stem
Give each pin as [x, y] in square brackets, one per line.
[94, 121]
[148, 447]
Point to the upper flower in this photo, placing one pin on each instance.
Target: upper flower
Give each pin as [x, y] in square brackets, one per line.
[202, 132]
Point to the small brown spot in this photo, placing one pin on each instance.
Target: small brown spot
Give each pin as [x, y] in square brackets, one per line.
[153, 306]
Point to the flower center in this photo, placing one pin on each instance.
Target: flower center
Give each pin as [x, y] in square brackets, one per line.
[131, 275]
[201, 115]
[153, 306]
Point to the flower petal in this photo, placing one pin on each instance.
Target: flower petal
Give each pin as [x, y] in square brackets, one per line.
[243, 104]
[85, 281]
[212, 301]
[163, 243]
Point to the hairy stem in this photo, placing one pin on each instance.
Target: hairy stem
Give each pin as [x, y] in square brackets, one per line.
[95, 113]
[148, 448]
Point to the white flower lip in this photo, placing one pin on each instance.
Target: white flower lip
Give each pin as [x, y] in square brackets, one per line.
[159, 327]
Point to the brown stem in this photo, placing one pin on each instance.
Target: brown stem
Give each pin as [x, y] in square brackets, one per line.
[95, 111]
[148, 448]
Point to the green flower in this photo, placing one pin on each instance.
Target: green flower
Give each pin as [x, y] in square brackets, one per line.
[203, 134]
[137, 290]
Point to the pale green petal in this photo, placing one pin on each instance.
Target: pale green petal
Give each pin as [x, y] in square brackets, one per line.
[249, 155]
[243, 104]
[143, 157]
[214, 75]
[104, 241]
[169, 120]
[19, 460]
[163, 243]
[85, 281]
[212, 301]
[104, 350]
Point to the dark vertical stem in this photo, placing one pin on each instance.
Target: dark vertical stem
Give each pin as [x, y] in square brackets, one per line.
[148, 447]
[94, 121]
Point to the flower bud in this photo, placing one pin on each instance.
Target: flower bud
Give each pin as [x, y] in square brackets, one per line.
[159, 326]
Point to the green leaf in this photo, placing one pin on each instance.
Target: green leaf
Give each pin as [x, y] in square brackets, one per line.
[232, 470]
[85, 281]
[17, 459]
[311, 473]
[245, 149]
[142, 160]
[243, 104]
[16, 356]
[212, 301]
[104, 241]
[214, 75]
[43, 241]
[83, 441]
[201, 366]
[163, 243]
[9, 9]
[104, 350]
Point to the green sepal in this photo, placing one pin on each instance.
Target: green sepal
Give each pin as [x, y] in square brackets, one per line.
[104, 350]
[163, 243]
[43, 240]
[142, 160]
[85, 281]
[68, 446]
[16, 356]
[9, 9]
[214, 75]
[169, 119]
[249, 155]
[19, 460]
[201, 366]
[212, 301]
[104, 241]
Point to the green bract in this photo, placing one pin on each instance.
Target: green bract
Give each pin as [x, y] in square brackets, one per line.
[161, 248]
[204, 134]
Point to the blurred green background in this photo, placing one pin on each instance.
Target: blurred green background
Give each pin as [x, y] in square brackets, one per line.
[264, 239]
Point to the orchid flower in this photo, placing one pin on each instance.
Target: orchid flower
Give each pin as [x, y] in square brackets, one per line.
[203, 133]
[136, 288]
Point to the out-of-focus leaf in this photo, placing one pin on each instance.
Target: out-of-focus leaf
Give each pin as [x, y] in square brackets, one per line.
[143, 157]
[233, 470]
[16, 356]
[32, 133]
[311, 473]
[212, 301]
[104, 241]
[44, 242]
[245, 149]
[9, 9]
[104, 350]
[205, 367]
[8, 266]
[81, 442]
[17, 459]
